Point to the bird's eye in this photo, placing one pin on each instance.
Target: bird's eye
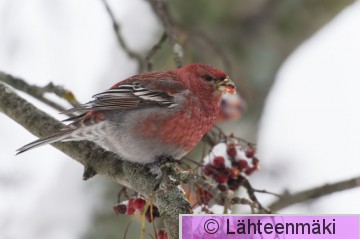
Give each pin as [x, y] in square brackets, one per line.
[208, 78]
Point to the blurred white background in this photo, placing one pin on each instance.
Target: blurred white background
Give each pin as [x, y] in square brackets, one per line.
[309, 128]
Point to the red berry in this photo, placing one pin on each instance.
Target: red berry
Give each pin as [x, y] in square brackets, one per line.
[221, 179]
[250, 153]
[204, 195]
[155, 213]
[231, 151]
[249, 171]
[131, 202]
[242, 164]
[208, 169]
[120, 208]
[208, 195]
[139, 203]
[219, 162]
[130, 211]
[162, 234]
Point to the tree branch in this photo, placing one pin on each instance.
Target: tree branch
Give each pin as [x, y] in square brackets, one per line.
[161, 11]
[153, 50]
[306, 195]
[251, 192]
[122, 43]
[39, 92]
[134, 176]
[217, 49]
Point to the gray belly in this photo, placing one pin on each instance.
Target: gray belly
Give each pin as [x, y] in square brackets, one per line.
[121, 139]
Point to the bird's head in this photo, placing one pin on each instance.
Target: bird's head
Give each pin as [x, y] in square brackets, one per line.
[206, 77]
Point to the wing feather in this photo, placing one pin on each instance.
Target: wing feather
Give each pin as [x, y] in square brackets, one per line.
[126, 96]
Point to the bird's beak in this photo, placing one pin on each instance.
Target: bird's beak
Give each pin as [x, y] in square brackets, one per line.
[226, 85]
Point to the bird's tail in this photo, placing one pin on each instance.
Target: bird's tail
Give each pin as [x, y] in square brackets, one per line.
[59, 136]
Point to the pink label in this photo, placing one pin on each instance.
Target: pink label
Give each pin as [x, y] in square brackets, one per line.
[269, 227]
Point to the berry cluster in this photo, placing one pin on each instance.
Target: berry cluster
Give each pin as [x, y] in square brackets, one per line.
[129, 207]
[229, 164]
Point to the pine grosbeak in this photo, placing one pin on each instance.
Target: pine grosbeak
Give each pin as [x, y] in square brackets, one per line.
[149, 115]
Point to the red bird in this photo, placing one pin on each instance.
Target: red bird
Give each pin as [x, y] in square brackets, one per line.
[149, 115]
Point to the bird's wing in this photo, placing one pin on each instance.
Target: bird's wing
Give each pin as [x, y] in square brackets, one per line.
[132, 94]
[129, 94]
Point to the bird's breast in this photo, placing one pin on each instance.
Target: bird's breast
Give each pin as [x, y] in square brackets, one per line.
[183, 128]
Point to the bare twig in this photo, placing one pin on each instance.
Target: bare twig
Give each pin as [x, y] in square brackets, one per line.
[214, 46]
[122, 43]
[251, 192]
[161, 11]
[193, 161]
[153, 50]
[39, 92]
[245, 201]
[122, 191]
[103, 162]
[267, 192]
[217, 135]
[209, 139]
[314, 193]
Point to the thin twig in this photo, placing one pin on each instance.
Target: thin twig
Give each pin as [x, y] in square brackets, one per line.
[251, 192]
[151, 236]
[209, 139]
[218, 50]
[161, 11]
[39, 92]
[245, 201]
[127, 227]
[212, 138]
[122, 191]
[122, 43]
[193, 161]
[314, 193]
[266, 192]
[153, 50]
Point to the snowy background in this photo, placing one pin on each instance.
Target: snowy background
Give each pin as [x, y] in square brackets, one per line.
[310, 127]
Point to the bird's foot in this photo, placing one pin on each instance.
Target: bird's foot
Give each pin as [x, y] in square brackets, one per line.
[154, 169]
